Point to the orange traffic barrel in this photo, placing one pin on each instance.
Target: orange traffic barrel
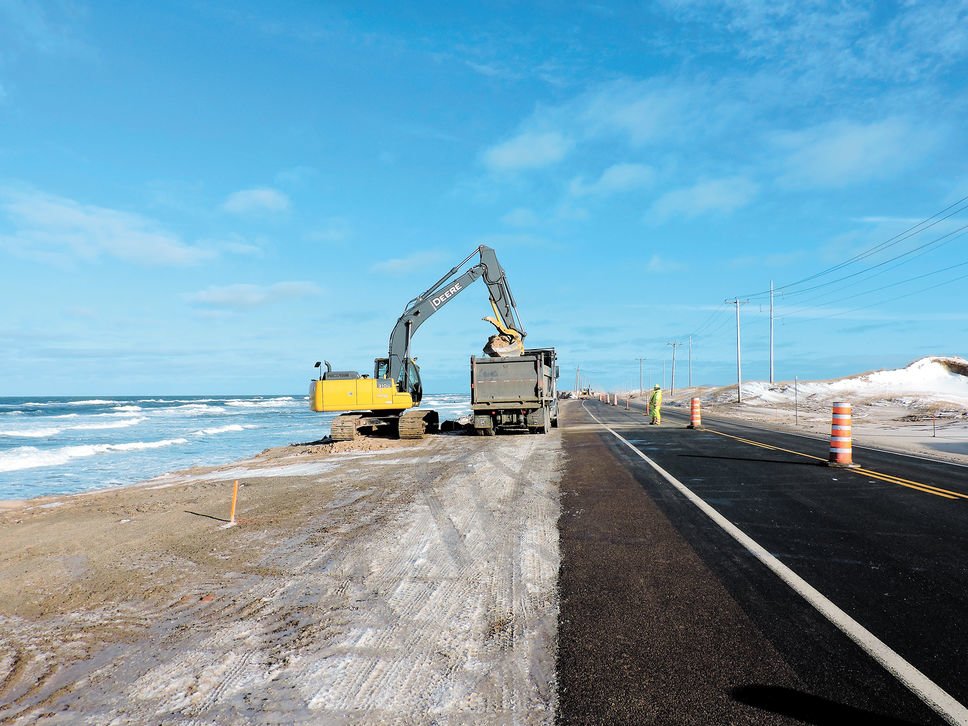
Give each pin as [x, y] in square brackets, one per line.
[695, 414]
[840, 436]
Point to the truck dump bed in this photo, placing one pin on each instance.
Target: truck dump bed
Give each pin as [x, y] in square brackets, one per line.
[515, 391]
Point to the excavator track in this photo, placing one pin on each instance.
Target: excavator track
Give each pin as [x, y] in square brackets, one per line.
[343, 427]
[414, 424]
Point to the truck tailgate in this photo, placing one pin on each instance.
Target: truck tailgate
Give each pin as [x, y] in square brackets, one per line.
[505, 380]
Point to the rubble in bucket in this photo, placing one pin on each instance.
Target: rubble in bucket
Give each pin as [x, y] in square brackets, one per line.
[502, 346]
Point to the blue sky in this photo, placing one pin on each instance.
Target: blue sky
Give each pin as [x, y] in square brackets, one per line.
[208, 197]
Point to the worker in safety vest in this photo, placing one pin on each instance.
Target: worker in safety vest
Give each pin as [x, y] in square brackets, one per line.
[655, 405]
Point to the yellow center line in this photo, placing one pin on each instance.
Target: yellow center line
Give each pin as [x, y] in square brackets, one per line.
[762, 445]
[889, 478]
[947, 493]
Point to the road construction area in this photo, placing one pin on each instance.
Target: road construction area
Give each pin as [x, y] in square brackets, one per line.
[375, 582]
[607, 572]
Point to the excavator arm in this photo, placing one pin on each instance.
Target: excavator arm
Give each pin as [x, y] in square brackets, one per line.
[505, 317]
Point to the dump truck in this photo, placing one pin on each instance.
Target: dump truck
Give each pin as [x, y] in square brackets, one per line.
[389, 401]
[515, 393]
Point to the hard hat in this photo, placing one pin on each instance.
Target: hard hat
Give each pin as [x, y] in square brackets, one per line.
[657, 386]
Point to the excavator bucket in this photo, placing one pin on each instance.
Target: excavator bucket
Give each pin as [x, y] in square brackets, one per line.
[502, 346]
[506, 342]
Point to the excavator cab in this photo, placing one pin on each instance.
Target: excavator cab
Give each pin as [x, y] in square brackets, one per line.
[408, 381]
[414, 386]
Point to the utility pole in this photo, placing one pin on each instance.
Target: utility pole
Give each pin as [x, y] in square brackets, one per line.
[578, 382]
[771, 332]
[675, 344]
[690, 361]
[640, 376]
[739, 356]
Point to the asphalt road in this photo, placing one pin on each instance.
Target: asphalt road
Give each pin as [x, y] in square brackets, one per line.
[667, 618]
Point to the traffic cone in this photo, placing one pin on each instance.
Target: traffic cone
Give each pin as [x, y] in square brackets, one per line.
[695, 415]
[841, 453]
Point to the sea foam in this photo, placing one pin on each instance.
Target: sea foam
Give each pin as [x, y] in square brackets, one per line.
[30, 457]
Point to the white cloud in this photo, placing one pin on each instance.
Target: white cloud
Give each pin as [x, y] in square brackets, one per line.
[403, 265]
[50, 228]
[335, 229]
[659, 264]
[40, 28]
[501, 241]
[528, 150]
[246, 295]
[637, 112]
[520, 217]
[841, 153]
[237, 247]
[616, 178]
[296, 175]
[640, 111]
[490, 70]
[716, 195]
[888, 220]
[772, 260]
[256, 201]
[825, 41]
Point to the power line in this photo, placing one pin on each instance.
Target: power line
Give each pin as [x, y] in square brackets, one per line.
[890, 242]
[901, 297]
[957, 233]
[895, 284]
[824, 295]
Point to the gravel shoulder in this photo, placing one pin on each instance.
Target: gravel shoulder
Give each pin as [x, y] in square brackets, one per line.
[389, 581]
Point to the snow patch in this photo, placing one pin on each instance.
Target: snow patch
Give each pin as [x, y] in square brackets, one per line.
[927, 381]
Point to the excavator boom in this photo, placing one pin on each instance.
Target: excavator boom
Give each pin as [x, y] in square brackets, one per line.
[506, 318]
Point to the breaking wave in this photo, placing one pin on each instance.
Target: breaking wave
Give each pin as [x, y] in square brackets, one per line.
[269, 403]
[120, 424]
[30, 457]
[224, 429]
[43, 432]
[31, 433]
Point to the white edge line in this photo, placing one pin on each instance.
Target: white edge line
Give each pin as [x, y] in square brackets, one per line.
[923, 687]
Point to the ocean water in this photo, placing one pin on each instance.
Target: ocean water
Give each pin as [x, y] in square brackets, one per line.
[66, 445]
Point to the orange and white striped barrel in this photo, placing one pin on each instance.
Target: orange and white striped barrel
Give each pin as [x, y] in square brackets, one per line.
[695, 414]
[840, 437]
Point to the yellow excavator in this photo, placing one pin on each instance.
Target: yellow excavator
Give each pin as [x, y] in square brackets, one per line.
[388, 401]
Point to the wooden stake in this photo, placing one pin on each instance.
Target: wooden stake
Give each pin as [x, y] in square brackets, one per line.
[235, 496]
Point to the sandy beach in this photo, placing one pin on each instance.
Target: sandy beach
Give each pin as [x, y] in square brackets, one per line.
[381, 580]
